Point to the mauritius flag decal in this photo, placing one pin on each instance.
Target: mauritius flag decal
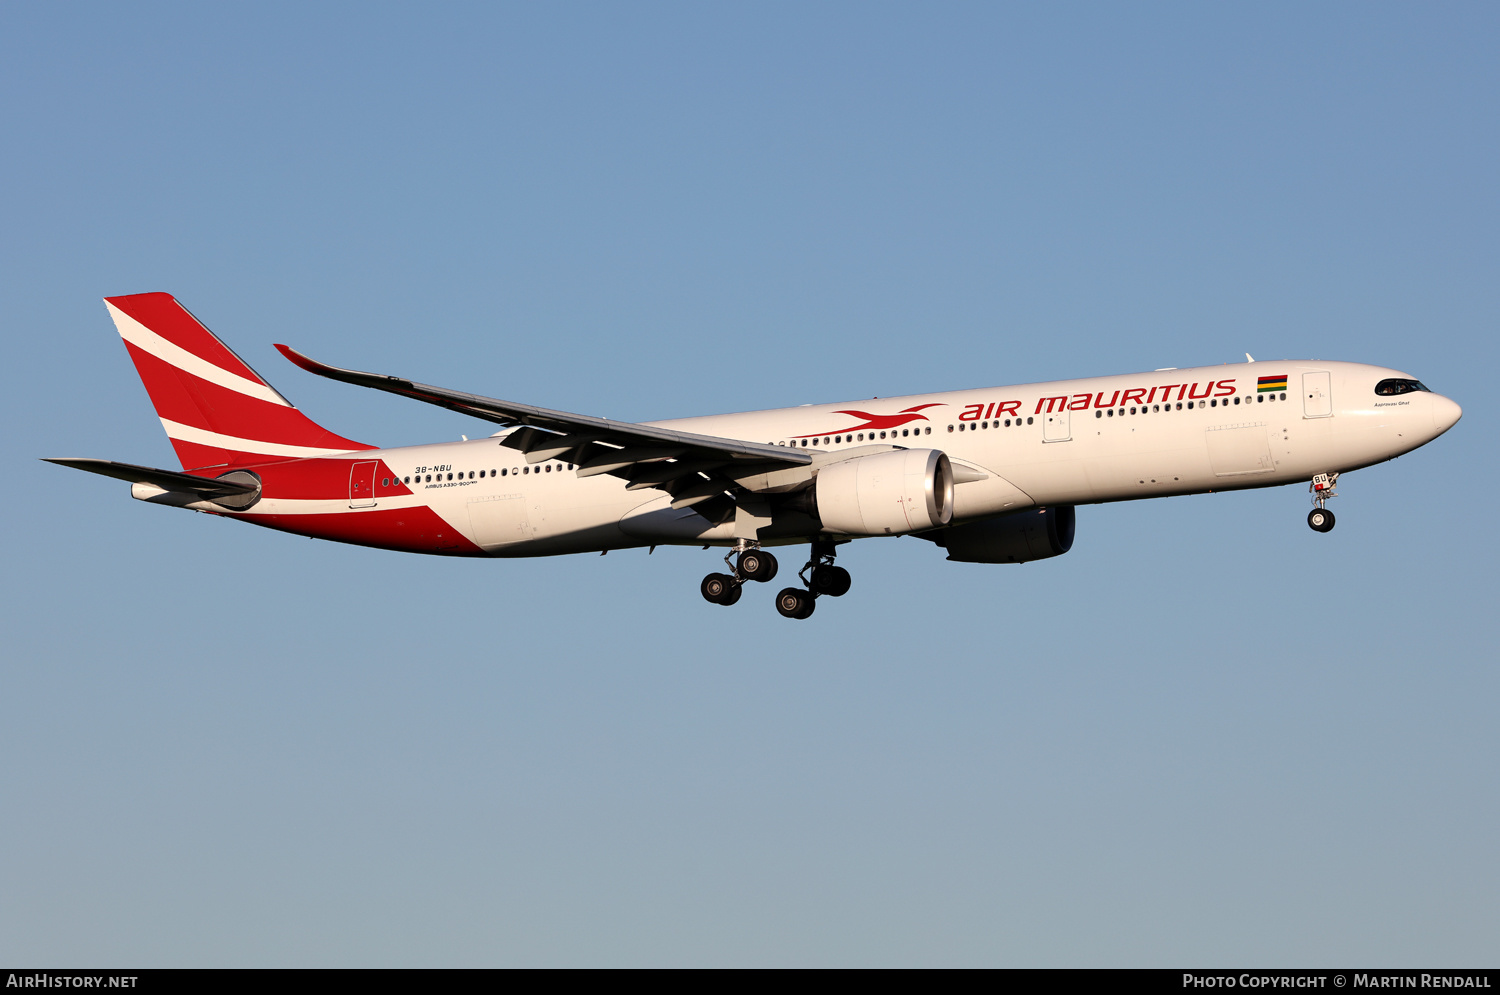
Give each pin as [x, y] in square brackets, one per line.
[1264, 384]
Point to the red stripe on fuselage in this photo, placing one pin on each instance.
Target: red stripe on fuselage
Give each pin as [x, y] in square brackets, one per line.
[319, 479]
[407, 530]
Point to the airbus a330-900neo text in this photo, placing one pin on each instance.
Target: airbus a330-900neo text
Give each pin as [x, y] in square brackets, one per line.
[990, 475]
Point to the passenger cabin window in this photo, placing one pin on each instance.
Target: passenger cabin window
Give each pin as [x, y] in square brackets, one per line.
[1389, 388]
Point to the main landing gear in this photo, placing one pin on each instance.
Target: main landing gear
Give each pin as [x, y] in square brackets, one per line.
[754, 564]
[819, 577]
[826, 579]
[1320, 519]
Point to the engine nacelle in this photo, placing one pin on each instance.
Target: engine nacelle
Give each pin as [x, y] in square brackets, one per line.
[907, 490]
[1026, 535]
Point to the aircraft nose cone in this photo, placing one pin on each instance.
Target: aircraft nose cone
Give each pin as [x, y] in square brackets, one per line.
[1445, 413]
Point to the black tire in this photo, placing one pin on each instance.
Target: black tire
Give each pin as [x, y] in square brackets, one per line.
[793, 602]
[757, 564]
[1320, 520]
[832, 581]
[718, 589]
[733, 595]
[842, 582]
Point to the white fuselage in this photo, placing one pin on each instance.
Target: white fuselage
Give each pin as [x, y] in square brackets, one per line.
[1071, 442]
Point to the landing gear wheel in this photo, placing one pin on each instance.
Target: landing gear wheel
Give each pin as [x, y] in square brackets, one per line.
[757, 564]
[830, 580]
[720, 589]
[793, 602]
[1320, 520]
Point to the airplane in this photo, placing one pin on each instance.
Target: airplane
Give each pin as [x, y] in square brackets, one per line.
[989, 475]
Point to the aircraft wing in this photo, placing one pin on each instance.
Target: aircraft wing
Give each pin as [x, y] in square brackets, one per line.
[693, 468]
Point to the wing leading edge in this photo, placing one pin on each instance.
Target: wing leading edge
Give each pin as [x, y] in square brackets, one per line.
[694, 469]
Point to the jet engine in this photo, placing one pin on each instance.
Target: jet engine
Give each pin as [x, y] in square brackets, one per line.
[891, 493]
[1025, 535]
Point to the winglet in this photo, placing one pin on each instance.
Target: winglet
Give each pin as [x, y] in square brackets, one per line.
[311, 365]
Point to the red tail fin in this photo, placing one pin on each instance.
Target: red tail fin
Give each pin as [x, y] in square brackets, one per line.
[217, 410]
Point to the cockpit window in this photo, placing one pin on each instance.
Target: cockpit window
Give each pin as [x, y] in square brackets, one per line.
[1388, 387]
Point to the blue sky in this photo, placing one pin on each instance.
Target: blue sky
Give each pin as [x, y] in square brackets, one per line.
[1205, 736]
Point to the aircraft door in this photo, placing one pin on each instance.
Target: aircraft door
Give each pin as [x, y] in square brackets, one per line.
[1056, 427]
[362, 484]
[1317, 395]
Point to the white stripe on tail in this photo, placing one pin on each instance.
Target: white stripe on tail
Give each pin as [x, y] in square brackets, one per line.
[217, 410]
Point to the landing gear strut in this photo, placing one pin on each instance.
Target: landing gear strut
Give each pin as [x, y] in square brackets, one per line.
[825, 578]
[754, 563]
[1320, 519]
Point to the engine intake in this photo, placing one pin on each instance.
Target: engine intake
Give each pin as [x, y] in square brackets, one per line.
[907, 490]
[1018, 538]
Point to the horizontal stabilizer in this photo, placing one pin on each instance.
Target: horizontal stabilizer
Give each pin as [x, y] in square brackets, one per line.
[168, 480]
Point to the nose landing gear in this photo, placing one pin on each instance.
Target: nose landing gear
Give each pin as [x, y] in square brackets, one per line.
[1320, 519]
[754, 564]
